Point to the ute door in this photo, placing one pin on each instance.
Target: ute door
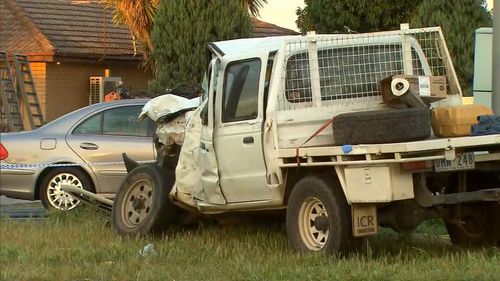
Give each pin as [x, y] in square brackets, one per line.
[207, 159]
[239, 114]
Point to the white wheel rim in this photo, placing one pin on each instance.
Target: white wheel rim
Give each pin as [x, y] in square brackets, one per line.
[313, 238]
[138, 201]
[57, 197]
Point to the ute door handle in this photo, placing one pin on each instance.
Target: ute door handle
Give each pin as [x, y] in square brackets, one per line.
[248, 140]
[89, 146]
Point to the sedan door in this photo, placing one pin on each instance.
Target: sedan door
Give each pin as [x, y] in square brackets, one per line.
[100, 139]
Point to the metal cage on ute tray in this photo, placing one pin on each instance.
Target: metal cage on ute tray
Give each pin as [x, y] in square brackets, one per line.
[343, 70]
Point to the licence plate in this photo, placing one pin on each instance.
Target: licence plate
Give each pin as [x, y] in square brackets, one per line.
[462, 161]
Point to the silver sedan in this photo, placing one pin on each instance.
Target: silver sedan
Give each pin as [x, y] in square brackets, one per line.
[82, 148]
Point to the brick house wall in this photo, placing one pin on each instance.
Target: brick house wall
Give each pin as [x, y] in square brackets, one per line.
[65, 86]
[68, 41]
[39, 72]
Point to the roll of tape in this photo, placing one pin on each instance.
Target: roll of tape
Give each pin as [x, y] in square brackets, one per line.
[399, 86]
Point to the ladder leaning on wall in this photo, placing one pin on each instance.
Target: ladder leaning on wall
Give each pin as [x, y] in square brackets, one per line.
[11, 110]
[27, 92]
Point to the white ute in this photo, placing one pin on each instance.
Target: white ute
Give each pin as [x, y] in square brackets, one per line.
[297, 124]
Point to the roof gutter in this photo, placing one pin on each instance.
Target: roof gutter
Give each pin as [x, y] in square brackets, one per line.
[59, 56]
[40, 56]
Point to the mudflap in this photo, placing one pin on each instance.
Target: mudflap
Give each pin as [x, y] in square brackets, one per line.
[130, 163]
[364, 220]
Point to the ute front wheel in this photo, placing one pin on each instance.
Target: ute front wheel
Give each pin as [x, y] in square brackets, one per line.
[142, 205]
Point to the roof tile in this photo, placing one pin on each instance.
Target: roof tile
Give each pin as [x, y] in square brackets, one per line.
[13, 35]
[79, 28]
[264, 29]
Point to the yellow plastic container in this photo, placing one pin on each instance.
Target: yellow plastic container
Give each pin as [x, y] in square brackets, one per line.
[456, 121]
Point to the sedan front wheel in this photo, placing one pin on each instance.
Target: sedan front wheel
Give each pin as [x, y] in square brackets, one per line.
[51, 194]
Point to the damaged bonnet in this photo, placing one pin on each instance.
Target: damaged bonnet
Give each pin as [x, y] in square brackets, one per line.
[167, 105]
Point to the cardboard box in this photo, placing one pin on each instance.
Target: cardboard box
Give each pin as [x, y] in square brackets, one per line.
[456, 121]
[428, 88]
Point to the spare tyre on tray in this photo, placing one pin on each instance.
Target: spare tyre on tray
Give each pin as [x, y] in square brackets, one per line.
[382, 126]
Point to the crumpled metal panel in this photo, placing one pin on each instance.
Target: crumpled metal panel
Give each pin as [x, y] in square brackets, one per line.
[172, 132]
[166, 105]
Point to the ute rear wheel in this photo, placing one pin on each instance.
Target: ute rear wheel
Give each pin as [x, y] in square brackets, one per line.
[318, 217]
[142, 205]
[476, 225]
[313, 223]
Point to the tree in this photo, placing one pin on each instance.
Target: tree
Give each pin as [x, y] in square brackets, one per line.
[304, 21]
[181, 32]
[253, 6]
[332, 16]
[138, 16]
[459, 20]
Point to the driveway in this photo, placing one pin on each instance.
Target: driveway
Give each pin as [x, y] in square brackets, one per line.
[21, 209]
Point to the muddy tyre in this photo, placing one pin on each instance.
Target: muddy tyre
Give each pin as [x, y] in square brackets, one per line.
[50, 193]
[318, 217]
[142, 205]
[478, 225]
[495, 216]
[382, 126]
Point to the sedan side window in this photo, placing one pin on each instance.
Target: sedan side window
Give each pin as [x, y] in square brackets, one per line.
[91, 126]
[123, 121]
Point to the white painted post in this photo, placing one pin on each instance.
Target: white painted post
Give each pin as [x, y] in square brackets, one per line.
[314, 69]
[495, 95]
[406, 48]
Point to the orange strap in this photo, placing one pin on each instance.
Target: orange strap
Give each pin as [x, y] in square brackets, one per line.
[311, 137]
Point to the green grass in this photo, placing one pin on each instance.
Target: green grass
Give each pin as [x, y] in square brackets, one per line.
[82, 246]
